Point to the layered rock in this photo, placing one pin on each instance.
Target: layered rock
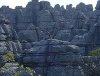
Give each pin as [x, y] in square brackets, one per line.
[50, 56]
[39, 20]
[51, 37]
[8, 39]
[8, 36]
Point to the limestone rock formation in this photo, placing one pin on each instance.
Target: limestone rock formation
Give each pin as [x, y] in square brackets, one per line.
[8, 36]
[47, 54]
[47, 36]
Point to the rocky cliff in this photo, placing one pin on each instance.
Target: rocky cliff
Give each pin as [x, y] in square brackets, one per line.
[40, 21]
[54, 39]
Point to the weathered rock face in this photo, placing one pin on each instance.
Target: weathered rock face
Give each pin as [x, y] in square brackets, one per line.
[68, 71]
[8, 37]
[55, 58]
[86, 9]
[51, 36]
[39, 21]
[98, 5]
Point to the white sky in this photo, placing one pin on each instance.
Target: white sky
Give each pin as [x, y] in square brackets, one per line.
[13, 3]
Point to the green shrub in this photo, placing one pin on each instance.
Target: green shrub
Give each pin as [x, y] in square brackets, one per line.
[95, 52]
[9, 57]
[21, 70]
[4, 68]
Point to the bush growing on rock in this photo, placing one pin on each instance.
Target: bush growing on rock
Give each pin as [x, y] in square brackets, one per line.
[95, 52]
[95, 71]
[9, 57]
[21, 71]
[11, 69]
